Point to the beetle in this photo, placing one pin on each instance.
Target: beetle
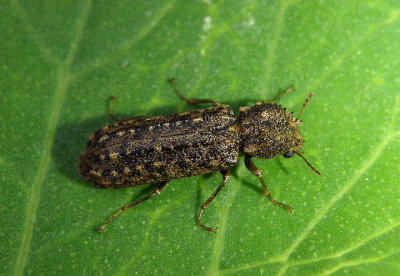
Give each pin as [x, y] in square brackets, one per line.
[157, 149]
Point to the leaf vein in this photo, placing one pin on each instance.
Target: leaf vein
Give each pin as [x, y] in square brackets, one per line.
[325, 209]
[373, 157]
[58, 100]
[337, 62]
[351, 248]
[271, 49]
[220, 238]
[128, 44]
[357, 262]
[47, 54]
[146, 241]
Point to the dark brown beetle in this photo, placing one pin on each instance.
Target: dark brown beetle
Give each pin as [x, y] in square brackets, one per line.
[157, 149]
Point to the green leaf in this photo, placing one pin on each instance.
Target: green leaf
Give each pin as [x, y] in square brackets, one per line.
[62, 61]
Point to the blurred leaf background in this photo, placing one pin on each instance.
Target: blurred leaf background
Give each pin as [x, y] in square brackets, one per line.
[60, 63]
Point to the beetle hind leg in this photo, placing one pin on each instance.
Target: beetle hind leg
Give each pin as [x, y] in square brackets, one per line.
[158, 190]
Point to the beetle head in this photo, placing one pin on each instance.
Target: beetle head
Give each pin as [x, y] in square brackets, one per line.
[267, 130]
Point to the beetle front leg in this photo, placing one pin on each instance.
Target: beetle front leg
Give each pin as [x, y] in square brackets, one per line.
[225, 175]
[257, 172]
[277, 97]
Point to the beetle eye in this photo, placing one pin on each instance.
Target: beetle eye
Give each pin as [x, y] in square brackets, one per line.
[288, 154]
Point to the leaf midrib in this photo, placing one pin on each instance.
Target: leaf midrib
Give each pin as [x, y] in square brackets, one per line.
[63, 82]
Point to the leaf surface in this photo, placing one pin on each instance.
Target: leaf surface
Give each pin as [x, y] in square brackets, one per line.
[63, 61]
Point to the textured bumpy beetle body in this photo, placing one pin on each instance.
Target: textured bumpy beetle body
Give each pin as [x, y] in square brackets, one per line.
[161, 148]
[157, 149]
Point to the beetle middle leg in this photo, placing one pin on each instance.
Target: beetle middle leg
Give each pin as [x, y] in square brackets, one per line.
[117, 118]
[257, 172]
[280, 94]
[225, 175]
[158, 190]
[190, 101]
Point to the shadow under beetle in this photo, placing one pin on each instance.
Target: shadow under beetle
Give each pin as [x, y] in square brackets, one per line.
[156, 149]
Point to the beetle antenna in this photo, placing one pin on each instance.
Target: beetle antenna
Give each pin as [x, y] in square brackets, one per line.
[314, 169]
[304, 105]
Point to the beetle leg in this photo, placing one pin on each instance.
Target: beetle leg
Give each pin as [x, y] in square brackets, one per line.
[158, 190]
[277, 97]
[257, 172]
[287, 90]
[225, 175]
[117, 118]
[190, 101]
